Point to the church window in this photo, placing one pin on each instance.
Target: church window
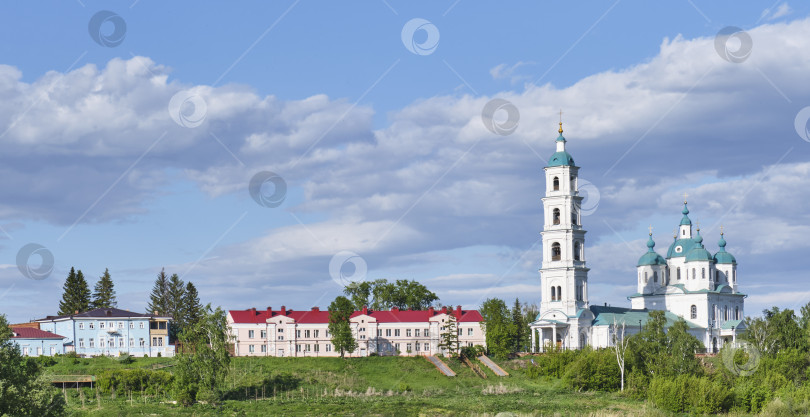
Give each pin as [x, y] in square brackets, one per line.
[679, 273]
[645, 277]
[703, 273]
[556, 216]
[736, 313]
[556, 184]
[574, 217]
[694, 274]
[725, 313]
[553, 293]
[559, 293]
[714, 312]
[734, 276]
[716, 276]
[694, 312]
[556, 251]
[655, 277]
[577, 249]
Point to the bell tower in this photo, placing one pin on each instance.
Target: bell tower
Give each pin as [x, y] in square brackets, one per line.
[563, 275]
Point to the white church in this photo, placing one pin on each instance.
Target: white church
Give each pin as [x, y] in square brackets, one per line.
[690, 283]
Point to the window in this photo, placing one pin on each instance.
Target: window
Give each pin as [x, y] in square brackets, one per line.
[559, 293]
[308, 347]
[408, 348]
[328, 347]
[250, 334]
[388, 332]
[131, 342]
[100, 342]
[655, 277]
[251, 349]
[317, 347]
[396, 346]
[725, 313]
[101, 325]
[694, 274]
[281, 330]
[417, 347]
[307, 333]
[141, 324]
[153, 325]
[120, 342]
[162, 325]
[141, 342]
[703, 273]
[716, 276]
[297, 333]
[81, 343]
[120, 324]
[362, 336]
[714, 312]
[736, 313]
[92, 343]
[694, 311]
[316, 332]
[132, 325]
[263, 334]
[645, 277]
[297, 348]
[577, 250]
[81, 326]
[264, 348]
[556, 184]
[734, 275]
[470, 331]
[553, 293]
[556, 251]
[679, 273]
[281, 338]
[407, 332]
[91, 325]
[379, 332]
[459, 331]
[416, 332]
[427, 347]
[556, 216]
[574, 216]
[427, 333]
[396, 332]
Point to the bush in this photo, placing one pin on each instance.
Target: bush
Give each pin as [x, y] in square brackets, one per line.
[551, 364]
[45, 361]
[594, 370]
[126, 359]
[472, 351]
[686, 393]
[120, 381]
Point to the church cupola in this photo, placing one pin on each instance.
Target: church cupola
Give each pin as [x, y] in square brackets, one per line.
[685, 231]
[726, 265]
[561, 157]
[652, 269]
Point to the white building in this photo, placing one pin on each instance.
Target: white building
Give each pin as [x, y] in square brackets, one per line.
[690, 283]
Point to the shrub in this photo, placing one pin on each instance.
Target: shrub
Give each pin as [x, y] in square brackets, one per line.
[126, 359]
[594, 370]
[551, 364]
[45, 361]
[119, 381]
[687, 393]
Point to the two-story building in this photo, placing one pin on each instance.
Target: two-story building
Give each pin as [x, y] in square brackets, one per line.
[35, 342]
[112, 332]
[391, 332]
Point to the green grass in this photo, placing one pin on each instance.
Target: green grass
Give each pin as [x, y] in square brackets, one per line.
[385, 386]
[91, 366]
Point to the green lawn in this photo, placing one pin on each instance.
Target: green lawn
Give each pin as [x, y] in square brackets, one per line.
[394, 386]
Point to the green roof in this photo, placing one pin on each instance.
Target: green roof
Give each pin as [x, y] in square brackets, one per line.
[607, 315]
[716, 290]
[562, 158]
[728, 324]
[699, 254]
[685, 244]
[651, 258]
[723, 257]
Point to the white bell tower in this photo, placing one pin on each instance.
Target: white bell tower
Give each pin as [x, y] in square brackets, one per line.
[563, 275]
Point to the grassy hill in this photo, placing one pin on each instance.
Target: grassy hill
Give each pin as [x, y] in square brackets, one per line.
[395, 386]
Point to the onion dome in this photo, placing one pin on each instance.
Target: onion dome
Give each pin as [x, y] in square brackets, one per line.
[723, 257]
[561, 157]
[698, 252]
[685, 220]
[651, 257]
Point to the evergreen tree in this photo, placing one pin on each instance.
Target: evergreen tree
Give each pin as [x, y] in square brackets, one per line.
[339, 313]
[521, 330]
[104, 292]
[76, 294]
[449, 336]
[158, 299]
[193, 308]
[176, 299]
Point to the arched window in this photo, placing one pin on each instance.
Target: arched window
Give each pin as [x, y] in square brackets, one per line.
[574, 217]
[655, 277]
[679, 273]
[645, 277]
[559, 293]
[725, 313]
[714, 312]
[716, 276]
[577, 249]
[694, 274]
[736, 313]
[703, 273]
[556, 251]
[553, 293]
[556, 216]
[556, 183]
[694, 312]
[734, 275]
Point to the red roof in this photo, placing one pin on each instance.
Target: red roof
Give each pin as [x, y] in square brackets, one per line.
[386, 316]
[31, 333]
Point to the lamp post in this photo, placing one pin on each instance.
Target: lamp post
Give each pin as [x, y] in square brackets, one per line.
[639, 325]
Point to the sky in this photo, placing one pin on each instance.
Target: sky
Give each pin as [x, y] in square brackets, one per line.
[271, 152]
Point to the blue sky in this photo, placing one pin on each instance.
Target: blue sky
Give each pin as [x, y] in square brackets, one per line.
[384, 151]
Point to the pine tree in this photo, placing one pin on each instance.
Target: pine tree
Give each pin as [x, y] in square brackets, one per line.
[193, 308]
[158, 299]
[176, 306]
[449, 337]
[519, 344]
[76, 295]
[104, 292]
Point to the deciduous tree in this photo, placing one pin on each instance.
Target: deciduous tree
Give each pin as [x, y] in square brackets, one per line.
[340, 311]
[203, 362]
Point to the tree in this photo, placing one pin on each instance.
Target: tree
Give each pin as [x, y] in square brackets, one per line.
[382, 295]
[340, 311]
[530, 312]
[176, 297]
[657, 352]
[620, 343]
[193, 308]
[158, 299]
[449, 335]
[21, 392]
[203, 362]
[104, 292]
[521, 337]
[76, 294]
[498, 327]
[777, 330]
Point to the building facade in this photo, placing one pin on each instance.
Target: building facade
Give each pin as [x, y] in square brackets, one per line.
[301, 333]
[35, 342]
[112, 332]
[689, 284]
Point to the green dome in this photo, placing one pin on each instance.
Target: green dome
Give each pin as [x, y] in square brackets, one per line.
[685, 220]
[699, 254]
[685, 244]
[723, 257]
[651, 258]
[561, 159]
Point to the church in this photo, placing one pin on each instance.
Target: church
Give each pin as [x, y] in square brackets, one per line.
[689, 284]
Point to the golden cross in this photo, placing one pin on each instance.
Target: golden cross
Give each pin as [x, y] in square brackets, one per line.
[721, 230]
[685, 195]
[561, 130]
[698, 225]
[651, 230]
[675, 233]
